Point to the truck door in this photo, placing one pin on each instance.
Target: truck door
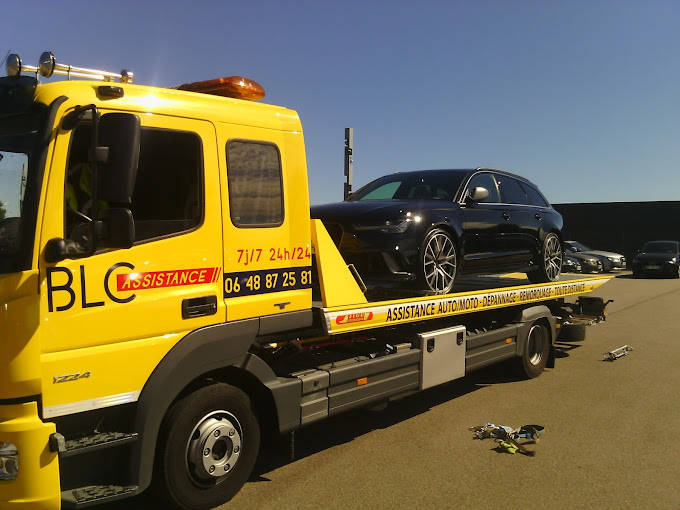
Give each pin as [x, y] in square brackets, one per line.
[109, 318]
[265, 205]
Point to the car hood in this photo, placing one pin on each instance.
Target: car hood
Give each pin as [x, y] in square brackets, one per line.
[581, 256]
[605, 253]
[375, 209]
[654, 257]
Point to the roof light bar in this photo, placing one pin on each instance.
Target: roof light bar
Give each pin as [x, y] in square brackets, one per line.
[48, 66]
[237, 87]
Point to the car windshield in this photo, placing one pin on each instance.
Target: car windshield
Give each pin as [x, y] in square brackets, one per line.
[576, 246]
[433, 185]
[660, 247]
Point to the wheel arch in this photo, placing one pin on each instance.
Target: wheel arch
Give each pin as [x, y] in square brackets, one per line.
[527, 318]
[216, 353]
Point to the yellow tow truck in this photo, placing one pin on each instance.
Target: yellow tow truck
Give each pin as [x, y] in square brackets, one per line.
[166, 300]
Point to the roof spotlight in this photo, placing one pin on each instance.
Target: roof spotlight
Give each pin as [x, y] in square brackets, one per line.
[46, 64]
[13, 65]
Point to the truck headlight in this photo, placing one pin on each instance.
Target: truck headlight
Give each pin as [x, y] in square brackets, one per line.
[9, 461]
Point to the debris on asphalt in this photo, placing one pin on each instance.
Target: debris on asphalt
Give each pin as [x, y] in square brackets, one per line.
[617, 353]
[508, 439]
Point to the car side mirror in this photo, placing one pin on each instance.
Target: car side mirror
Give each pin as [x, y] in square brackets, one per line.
[478, 194]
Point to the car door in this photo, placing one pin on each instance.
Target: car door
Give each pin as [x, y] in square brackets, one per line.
[522, 220]
[486, 225]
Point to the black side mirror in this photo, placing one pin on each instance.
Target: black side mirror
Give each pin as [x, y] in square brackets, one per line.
[117, 168]
[118, 228]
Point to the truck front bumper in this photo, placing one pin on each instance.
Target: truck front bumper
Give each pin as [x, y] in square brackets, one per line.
[36, 485]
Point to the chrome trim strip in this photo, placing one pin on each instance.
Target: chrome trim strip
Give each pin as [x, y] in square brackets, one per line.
[89, 405]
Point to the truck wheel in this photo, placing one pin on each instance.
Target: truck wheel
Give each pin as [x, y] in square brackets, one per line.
[207, 448]
[535, 353]
[550, 263]
[438, 262]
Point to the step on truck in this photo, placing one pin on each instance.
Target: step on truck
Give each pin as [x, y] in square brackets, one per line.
[166, 302]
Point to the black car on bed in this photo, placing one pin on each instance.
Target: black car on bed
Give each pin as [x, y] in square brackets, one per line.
[427, 227]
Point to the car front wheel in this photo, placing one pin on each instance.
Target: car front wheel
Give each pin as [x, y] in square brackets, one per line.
[550, 263]
[437, 262]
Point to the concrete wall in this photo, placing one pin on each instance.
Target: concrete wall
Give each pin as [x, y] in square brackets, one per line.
[621, 227]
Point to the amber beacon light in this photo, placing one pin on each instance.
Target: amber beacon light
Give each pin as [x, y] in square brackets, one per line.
[232, 86]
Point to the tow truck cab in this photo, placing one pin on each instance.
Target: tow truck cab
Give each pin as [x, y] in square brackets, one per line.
[90, 308]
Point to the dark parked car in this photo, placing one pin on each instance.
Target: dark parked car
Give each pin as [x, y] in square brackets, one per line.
[610, 261]
[429, 226]
[589, 263]
[571, 265]
[658, 258]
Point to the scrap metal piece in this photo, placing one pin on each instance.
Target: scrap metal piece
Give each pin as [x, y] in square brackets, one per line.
[617, 353]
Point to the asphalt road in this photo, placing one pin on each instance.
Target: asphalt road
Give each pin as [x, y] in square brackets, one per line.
[611, 438]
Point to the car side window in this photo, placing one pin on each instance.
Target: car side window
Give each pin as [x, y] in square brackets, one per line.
[535, 198]
[485, 180]
[511, 191]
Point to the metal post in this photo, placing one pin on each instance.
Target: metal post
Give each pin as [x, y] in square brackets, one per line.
[349, 147]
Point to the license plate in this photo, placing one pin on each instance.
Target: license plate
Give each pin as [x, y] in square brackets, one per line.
[654, 267]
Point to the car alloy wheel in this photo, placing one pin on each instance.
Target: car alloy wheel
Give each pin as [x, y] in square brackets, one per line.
[439, 262]
[552, 258]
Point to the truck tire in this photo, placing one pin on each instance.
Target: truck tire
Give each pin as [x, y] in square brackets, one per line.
[208, 444]
[535, 353]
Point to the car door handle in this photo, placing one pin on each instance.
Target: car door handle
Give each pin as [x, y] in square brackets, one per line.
[538, 217]
[199, 307]
[506, 216]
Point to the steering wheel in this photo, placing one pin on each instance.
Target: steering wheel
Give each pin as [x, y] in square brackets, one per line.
[78, 215]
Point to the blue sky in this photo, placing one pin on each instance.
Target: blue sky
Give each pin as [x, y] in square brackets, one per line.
[581, 97]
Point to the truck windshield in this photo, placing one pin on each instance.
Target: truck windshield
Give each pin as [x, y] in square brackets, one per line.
[13, 173]
[20, 183]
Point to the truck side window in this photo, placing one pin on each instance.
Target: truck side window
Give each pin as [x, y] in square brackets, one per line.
[168, 194]
[255, 183]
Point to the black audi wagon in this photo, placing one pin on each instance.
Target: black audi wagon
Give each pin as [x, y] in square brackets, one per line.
[426, 227]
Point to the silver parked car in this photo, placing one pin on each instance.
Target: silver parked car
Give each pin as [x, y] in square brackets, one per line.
[610, 261]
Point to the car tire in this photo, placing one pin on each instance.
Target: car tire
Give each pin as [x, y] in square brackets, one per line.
[535, 353]
[550, 262]
[207, 448]
[437, 262]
